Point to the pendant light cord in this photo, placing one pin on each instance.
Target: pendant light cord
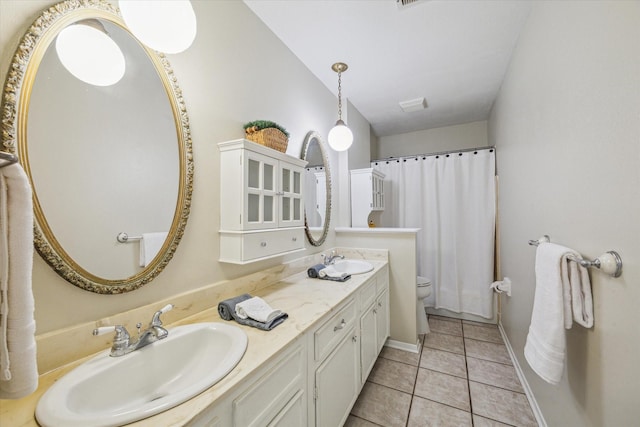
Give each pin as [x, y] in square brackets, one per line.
[339, 95]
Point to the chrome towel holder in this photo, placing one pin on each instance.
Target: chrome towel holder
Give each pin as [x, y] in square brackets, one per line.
[125, 238]
[609, 262]
[8, 158]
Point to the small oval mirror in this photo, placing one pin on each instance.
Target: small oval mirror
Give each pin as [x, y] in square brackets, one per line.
[317, 205]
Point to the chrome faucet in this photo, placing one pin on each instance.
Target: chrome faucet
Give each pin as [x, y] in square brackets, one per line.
[331, 258]
[122, 340]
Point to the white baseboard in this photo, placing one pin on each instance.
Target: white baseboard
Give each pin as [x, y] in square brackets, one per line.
[523, 380]
[403, 346]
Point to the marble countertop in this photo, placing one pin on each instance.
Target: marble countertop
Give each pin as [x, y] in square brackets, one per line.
[305, 300]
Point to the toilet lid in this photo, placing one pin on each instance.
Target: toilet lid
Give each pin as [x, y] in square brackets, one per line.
[423, 281]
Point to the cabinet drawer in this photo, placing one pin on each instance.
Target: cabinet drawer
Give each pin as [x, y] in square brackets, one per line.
[329, 334]
[368, 294]
[267, 243]
[270, 394]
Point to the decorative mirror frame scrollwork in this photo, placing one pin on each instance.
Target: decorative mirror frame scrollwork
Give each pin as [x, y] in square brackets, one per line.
[15, 103]
[311, 135]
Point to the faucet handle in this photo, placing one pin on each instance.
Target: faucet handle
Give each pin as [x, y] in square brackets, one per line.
[156, 316]
[120, 340]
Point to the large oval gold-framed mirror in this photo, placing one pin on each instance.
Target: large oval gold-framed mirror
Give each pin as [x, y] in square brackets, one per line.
[317, 204]
[100, 160]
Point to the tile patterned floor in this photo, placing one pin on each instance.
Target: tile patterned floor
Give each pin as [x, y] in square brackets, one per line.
[463, 376]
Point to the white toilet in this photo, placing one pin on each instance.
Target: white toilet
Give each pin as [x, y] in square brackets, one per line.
[423, 291]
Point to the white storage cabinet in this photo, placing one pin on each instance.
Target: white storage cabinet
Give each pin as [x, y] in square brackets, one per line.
[261, 202]
[367, 196]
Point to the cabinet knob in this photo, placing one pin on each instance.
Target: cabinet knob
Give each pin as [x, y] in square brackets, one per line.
[354, 338]
[340, 326]
[295, 239]
[379, 304]
[375, 311]
[263, 244]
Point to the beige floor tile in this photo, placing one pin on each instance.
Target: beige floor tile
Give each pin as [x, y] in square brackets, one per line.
[358, 422]
[482, 333]
[444, 361]
[443, 388]
[479, 421]
[444, 342]
[382, 405]
[448, 319]
[501, 405]
[400, 356]
[396, 375]
[427, 413]
[487, 351]
[445, 327]
[493, 373]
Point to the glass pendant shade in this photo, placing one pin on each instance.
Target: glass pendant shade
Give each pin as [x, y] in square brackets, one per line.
[340, 137]
[90, 55]
[167, 26]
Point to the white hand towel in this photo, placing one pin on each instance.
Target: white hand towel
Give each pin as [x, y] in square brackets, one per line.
[257, 309]
[557, 278]
[19, 370]
[330, 271]
[150, 245]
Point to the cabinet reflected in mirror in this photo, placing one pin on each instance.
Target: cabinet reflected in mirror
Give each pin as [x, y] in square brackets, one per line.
[317, 209]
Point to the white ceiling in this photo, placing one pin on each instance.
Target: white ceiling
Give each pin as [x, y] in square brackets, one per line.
[454, 53]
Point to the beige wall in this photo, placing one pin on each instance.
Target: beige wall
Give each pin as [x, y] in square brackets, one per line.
[401, 244]
[468, 135]
[567, 129]
[236, 71]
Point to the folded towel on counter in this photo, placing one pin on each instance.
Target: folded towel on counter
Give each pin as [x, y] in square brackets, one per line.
[330, 273]
[313, 271]
[257, 309]
[227, 311]
[563, 293]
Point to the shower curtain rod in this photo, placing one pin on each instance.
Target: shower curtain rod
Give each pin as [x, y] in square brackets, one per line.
[439, 153]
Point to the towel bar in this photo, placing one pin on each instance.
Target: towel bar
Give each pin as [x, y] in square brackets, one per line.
[609, 262]
[125, 238]
[8, 158]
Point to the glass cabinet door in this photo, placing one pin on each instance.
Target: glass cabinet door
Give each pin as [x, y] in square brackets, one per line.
[261, 205]
[291, 202]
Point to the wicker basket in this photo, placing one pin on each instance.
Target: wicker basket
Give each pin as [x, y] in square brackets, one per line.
[269, 137]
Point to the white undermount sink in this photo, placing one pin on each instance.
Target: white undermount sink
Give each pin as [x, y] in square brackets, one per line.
[353, 266]
[112, 391]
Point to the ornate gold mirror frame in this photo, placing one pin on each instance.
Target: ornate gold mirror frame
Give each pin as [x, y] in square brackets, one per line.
[15, 105]
[311, 138]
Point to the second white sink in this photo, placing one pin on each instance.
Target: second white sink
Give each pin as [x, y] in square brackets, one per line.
[353, 266]
[112, 391]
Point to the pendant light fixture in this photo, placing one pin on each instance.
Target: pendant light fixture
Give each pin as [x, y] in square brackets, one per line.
[86, 51]
[340, 136]
[168, 26]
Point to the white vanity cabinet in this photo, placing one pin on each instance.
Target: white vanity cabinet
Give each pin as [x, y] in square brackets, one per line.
[336, 367]
[367, 196]
[261, 202]
[374, 321]
[315, 380]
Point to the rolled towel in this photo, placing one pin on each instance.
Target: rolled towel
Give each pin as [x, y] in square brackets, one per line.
[227, 308]
[330, 273]
[313, 271]
[227, 311]
[257, 309]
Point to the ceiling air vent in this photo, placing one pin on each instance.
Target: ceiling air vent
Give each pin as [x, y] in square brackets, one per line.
[405, 3]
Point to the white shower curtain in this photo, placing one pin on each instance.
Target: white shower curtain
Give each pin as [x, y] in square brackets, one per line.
[451, 198]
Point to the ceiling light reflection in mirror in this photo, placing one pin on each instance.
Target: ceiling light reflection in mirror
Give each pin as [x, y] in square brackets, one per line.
[167, 26]
[89, 54]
